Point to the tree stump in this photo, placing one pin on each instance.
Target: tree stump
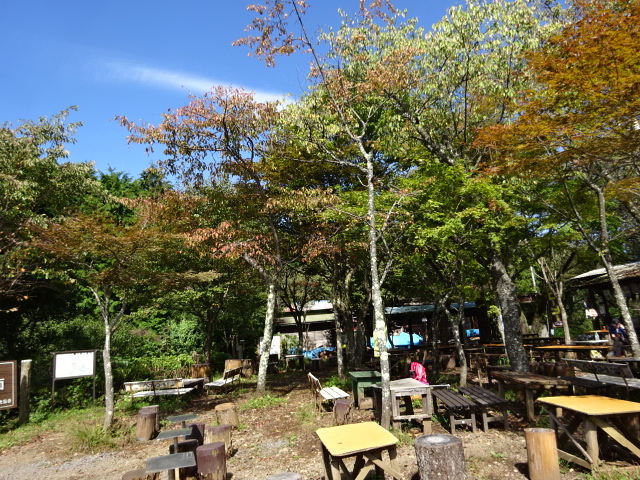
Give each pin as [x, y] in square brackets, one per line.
[542, 454]
[342, 411]
[197, 432]
[147, 424]
[285, 476]
[212, 461]
[440, 457]
[153, 408]
[220, 433]
[226, 414]
[141, 474]
[186, 446]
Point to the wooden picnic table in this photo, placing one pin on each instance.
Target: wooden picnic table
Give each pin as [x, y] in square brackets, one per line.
[592, 411]
[532, 383]
[580, 350]
[366, 441]
[403, 390]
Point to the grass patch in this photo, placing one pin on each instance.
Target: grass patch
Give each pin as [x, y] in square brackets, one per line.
[611, 475]
[82, 427]
[306, 413]
[264, 401]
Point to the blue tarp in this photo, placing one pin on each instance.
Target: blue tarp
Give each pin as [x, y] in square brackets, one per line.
[315, 353]
[402, 340]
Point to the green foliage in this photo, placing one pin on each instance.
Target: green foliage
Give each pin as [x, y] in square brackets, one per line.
[151, 368]
[265, 401]
[335, 381]
[87, 438]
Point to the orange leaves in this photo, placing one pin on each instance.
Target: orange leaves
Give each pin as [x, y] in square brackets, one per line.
[586, 99]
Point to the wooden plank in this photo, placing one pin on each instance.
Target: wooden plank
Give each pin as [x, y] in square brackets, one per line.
[616, 435]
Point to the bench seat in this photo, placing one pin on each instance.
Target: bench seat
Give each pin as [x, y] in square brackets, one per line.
[461, 410]
[486, 400]
[228, 378]
[330, 394]
[606, 373]
[156, 388]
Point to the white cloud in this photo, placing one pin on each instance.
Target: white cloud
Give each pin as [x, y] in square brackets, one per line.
[125, 72]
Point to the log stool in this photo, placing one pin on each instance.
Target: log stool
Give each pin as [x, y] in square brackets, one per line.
[212, 462]
[141, 474]
[186, 446]
[226, 413]
[542, 453]
[197, 432]
[148, 423]
[440, 457]
[342, 411]
[220, 433]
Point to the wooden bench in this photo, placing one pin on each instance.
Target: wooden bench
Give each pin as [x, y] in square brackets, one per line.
[320, 394]
[603, 373]
[486, 400]
[228, 378]
[156, 388]
[461, 410]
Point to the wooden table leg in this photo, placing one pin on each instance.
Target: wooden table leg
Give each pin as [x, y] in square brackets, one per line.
[531, 411]
[591, 438]
[335, 468]
[326, 463]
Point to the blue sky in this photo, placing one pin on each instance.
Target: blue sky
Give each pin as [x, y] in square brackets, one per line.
[140, 58]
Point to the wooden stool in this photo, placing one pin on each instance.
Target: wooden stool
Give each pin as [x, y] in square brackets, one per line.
[212, 462]
[220, 433]
[226, 413]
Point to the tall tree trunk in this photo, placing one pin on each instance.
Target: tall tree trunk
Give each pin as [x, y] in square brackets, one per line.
[265, 346]
[109, 402]
[510, 309]
[380, 330]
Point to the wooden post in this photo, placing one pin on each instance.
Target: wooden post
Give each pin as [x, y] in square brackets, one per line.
[141, 474]
[440, 457]
[220, 433]
[146, 426]
[226, 413]
[542, 454]
[25, 391]
[211, 461]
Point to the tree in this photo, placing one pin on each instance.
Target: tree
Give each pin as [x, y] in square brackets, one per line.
[225, 137]
[578, 128]
[108, 259]
[35, 186]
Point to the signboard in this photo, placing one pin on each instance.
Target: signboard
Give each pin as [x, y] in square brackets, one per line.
[77, 364]
[8, 384]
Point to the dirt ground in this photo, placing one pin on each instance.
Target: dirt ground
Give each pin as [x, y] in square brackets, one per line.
[273, 440]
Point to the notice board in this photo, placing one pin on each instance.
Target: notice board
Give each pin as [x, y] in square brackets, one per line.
[8, 384]
[81, 363]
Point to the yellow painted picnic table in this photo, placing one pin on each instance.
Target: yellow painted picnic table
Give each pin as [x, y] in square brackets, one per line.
[366, 441]
[592, 411]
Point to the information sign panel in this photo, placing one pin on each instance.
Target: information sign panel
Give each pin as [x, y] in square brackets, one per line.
[74, 364]
[8, 384]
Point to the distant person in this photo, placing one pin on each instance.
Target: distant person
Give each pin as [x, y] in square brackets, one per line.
[618, 334]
